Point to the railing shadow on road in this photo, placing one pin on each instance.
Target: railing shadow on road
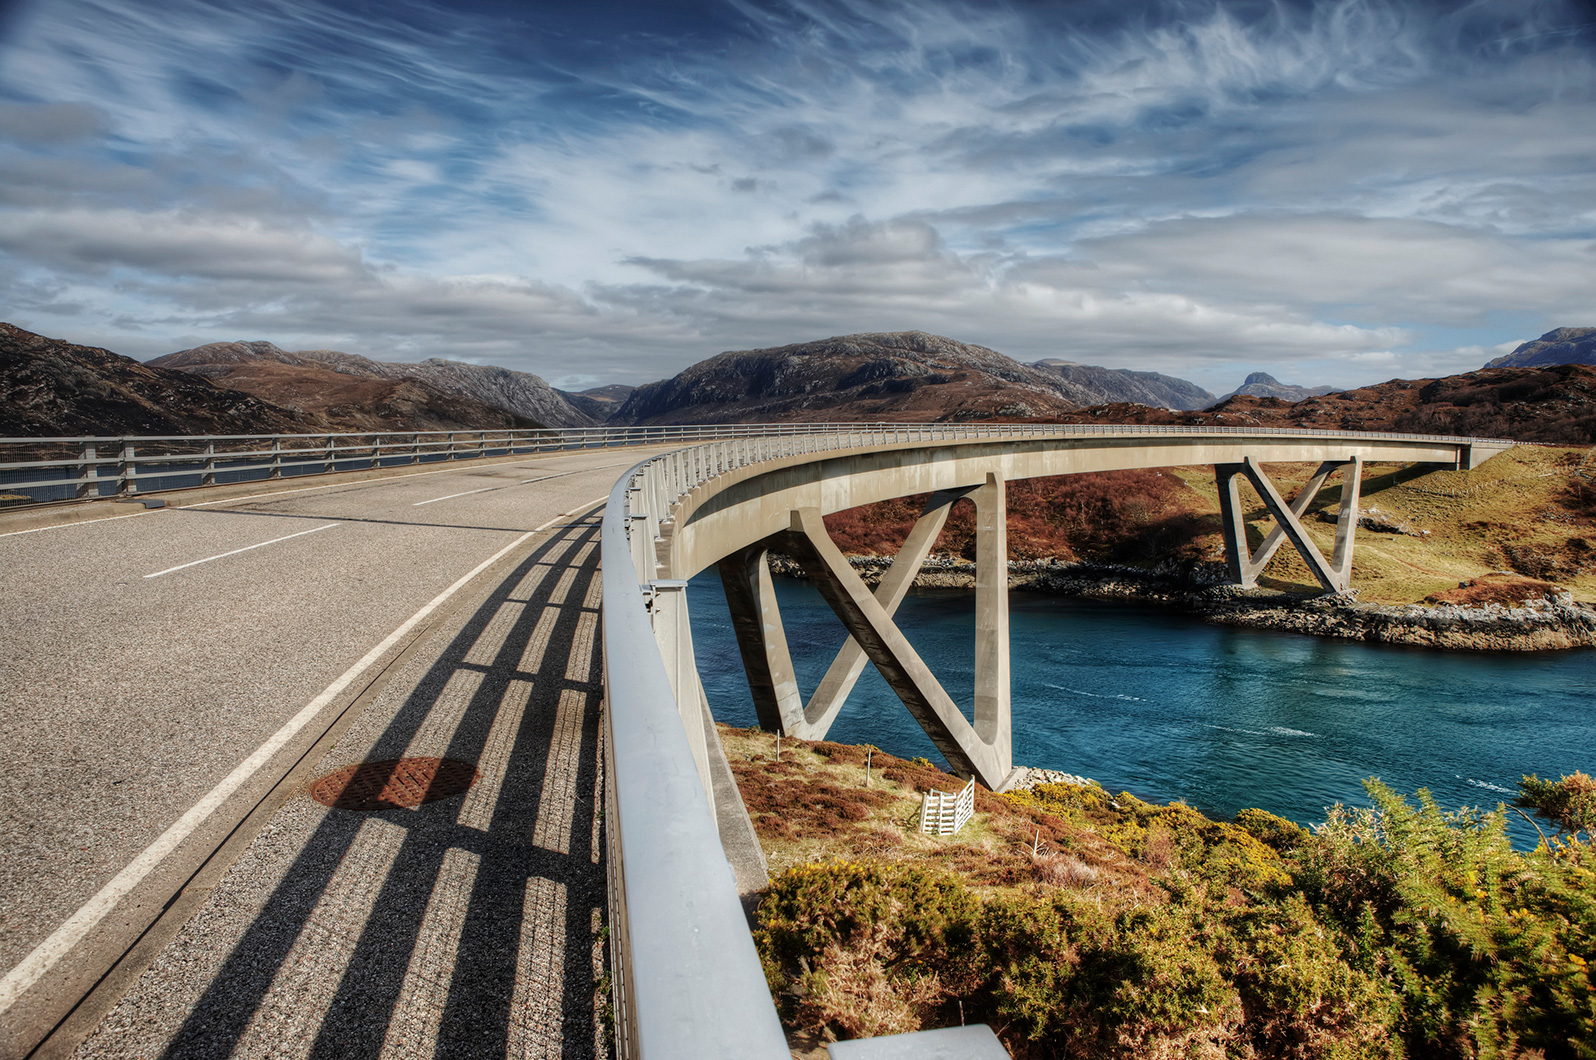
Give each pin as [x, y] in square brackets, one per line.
[510, 967]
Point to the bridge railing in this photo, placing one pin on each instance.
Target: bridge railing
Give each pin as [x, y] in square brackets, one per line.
[687, 979]
[42, 470]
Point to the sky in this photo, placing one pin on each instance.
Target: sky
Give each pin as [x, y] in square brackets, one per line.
[1336, 193]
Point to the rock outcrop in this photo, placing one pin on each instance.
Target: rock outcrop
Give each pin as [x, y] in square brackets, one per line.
[1559, 346]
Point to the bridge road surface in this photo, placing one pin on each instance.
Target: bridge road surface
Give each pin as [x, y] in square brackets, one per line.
[150, 661]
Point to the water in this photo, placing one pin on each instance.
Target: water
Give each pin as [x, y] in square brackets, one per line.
[1169, 707]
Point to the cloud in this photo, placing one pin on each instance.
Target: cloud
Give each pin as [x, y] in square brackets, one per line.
[176, 245]
[49, 123]
[1196, 187]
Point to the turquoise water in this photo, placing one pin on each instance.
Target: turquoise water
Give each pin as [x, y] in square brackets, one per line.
[1168, 707]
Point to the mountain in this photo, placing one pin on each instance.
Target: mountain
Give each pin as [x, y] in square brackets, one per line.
[335, 401]
[1262, 384]
[1121, 384]
[907, 376]
[50, 387]
[521, 394]
[1555, 404]
[1561, 346]
[600, 402]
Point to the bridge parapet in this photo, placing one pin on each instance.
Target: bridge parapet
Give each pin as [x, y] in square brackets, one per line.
[688, 979]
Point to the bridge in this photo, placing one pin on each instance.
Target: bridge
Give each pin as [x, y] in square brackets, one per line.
[180, 671]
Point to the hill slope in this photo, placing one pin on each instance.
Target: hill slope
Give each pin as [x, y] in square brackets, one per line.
[50, 387]
[1555, 404]
[1123, 385]
[1262, 384]
[1560, 346]
[905, 376]
[521, 394]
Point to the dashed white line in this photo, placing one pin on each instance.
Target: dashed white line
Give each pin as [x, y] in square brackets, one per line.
[236, 551]
[452, 496]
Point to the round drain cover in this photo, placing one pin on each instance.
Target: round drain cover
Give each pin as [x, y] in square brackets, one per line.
[394, 783]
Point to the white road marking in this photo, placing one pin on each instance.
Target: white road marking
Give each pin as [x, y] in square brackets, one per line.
[80, 522]
[246, 548]
[452, 496]
[523, 482]
[49, 952]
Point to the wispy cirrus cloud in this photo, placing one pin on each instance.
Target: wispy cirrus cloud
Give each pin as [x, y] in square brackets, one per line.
[1338, 191]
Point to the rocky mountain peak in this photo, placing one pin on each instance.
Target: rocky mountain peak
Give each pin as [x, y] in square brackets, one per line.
[1558, 346]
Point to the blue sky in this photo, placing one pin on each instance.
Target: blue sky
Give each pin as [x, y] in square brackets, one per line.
[1339, 192]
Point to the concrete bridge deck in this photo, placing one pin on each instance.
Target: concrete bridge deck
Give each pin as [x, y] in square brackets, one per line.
[464, 927]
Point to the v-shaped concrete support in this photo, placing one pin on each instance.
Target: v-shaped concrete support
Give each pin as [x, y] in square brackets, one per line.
[983, 749]
[750, 597]
[1335, 575]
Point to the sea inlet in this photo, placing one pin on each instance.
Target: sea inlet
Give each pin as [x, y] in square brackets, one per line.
[1167, 706]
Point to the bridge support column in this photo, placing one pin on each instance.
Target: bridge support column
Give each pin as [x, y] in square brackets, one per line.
[750, 596]
[1335, 575]
[983, 750]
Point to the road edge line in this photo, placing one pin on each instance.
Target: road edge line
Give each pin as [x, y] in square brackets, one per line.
[26, 973]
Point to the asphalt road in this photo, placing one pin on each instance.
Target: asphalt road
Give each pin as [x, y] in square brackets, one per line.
[147, 658]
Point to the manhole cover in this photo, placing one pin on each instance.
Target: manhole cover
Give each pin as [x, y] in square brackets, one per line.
[397, 782]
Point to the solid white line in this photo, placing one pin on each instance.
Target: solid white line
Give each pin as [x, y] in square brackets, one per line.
[452, 496]
[38, 963]
[80, 522]
[236, 551]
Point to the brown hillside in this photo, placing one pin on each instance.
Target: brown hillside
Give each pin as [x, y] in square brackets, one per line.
[1554, 404]
[334, 401]
[49, 387]
[902, 376]
[1521, 521]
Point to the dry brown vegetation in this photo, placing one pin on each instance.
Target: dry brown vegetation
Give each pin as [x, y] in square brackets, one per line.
[1080, 924]
[1529, 513]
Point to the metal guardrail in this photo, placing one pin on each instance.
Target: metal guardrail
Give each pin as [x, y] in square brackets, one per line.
[687, 980]
[56, 469]
[42, 470]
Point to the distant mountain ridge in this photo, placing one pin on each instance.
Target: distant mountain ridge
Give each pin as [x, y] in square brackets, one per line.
[51, 387]
[906, 376]
[1124, 385]
[522, 394]
[1555, 404]
[1558, 346]
[1262, 384]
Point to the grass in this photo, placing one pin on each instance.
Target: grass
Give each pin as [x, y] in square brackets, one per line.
[1528, 513]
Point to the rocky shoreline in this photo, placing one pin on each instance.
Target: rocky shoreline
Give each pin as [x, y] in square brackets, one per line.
[1541, 625]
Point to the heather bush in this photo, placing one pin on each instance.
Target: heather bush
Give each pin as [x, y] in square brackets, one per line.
[1398, 930]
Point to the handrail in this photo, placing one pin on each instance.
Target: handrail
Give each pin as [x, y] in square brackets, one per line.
[686, 976]
[104, 466]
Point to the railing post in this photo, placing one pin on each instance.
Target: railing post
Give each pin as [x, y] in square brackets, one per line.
[415, 448]
[208, 473]
[277, 458]
[88, 471]
[331, 456]
[127, 469]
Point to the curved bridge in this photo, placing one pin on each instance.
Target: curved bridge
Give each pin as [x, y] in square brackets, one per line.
[689, 982]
